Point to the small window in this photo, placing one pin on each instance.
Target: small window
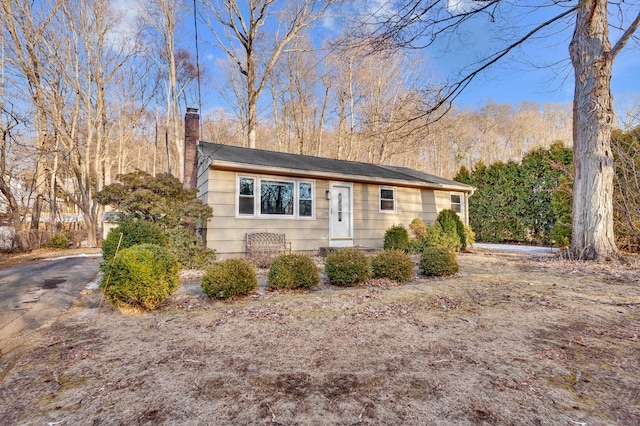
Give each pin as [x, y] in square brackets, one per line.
[456, 203]
[305, 199]
[246, 196]
[387, 200]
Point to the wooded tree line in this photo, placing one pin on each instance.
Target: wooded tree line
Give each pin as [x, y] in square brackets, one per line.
[91, 90]
[88, 93]
[531, 201]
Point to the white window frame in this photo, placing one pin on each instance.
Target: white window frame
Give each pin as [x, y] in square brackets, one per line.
[461, 203]
[312, 199]
[257, 191]
[395, 200]
[237, 195]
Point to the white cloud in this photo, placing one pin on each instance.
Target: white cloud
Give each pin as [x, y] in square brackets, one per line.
[125, 24]
[456, 7]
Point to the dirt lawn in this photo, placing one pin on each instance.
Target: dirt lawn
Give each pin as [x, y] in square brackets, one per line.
[513, 339]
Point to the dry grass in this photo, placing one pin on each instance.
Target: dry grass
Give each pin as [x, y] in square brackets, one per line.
[511, 340]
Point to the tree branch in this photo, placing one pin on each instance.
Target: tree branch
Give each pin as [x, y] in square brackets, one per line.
[457, 88]
[626, 36]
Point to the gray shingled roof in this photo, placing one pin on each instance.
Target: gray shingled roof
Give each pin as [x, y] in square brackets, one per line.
[234, 154]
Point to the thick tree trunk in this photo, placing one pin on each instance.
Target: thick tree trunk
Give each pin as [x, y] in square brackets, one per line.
[91, 224]
[592, 236]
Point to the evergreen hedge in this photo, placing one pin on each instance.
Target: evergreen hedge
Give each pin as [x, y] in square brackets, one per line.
[521, 202]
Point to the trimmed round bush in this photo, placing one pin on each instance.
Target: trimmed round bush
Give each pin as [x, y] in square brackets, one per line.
[229, 277]
[438, 261]
[453, 226]
[134, 232]
[347, 266]
[393, 264]
[142, 278]
[290, 271]
[396, 237]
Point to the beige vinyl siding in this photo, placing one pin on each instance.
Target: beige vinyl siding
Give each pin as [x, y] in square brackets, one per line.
[443, 201]
[370, 224]
[226, 232]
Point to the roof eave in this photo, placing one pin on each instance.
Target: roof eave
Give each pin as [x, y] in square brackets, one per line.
[282, 171]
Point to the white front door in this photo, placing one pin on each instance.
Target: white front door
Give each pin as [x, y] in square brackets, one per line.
[341, 214]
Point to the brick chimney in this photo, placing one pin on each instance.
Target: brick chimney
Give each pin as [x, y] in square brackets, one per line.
[191, 137]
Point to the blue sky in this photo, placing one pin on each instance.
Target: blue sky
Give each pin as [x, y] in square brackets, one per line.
[539, 71]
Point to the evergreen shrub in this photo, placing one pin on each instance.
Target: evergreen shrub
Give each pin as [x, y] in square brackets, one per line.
[452, 226]
[189, 249]
[134, 232]
[229, 277]
[61, 240]
[393, 264]
[434, 237]
[418, 228]
[438, 261]
[347, 266]
[396, 237]
[142, 277]
[469, 235]
[291, 271]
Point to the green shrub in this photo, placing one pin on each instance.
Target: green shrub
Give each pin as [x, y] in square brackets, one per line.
[393, 264]
[434, 237]
[346, 266]
[418, 228]
[469, 235]
[396, 237]
[61, 240]
[292, 271]
[416, 246]
[230, 277]
[438, 261]
[134, 232]
[189, 249]
[453, 226]
[142, 277]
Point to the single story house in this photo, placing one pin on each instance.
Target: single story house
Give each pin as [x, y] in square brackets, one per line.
[316, 202]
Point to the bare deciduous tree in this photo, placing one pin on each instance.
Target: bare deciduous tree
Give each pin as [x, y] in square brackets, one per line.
[300, 95]
[240, 31]
[417, 23]
[27, 27]
[85, 61]
[176, 67]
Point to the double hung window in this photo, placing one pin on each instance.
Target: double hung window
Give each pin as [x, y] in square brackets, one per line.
[456, 203]
[387, 200]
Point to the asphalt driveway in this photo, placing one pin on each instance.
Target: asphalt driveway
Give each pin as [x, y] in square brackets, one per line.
[515, 248]
[33, 294]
